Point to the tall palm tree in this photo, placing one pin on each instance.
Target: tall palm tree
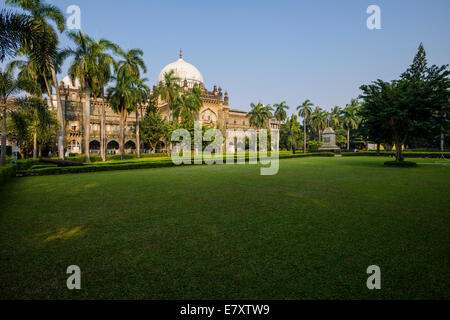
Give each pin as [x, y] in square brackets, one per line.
[142, 96]
[133, 64]
[43, 48]
[304, 111]
[84, 68]
[169, 90]
[123, 99]
[335, 116]
[101, 78]
[318, 120]
[350, 118]
[9, 85]
[259, 114]
[280, 111]
[293, 131]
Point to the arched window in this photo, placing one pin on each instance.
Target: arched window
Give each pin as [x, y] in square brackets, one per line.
[74, 147]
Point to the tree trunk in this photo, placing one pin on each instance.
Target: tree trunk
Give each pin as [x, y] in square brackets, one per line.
[87, 123]
[398, 151]
[442, 140]
[40, 151]
[102, 132]
[348, 139]
[304, 134]
[138, 138]
[3, 155]
[122, 135]
[378, 149]
[35, 144]
[60, 115]
[49, 91]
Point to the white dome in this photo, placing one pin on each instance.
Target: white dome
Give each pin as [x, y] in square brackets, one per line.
[184, 71]
[68, 82]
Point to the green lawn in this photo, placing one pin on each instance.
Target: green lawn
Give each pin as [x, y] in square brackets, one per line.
[225, 232]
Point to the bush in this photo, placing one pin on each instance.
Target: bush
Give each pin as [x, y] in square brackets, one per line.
[406, 154]
[7, 172]
[24, 164]
[133, 164]
[402, 164]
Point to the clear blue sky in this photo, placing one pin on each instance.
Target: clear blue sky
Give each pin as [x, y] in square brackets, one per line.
[271, 51]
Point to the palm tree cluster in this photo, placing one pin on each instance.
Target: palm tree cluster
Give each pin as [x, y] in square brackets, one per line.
[34, 36]
[316, 120]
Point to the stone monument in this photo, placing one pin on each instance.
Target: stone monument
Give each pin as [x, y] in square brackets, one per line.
[329, 141]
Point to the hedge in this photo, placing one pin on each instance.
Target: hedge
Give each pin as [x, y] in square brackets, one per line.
[406, 154]
[7, 172]
[125, 165]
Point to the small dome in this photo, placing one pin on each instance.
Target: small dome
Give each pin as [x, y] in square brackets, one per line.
[184, 71]
[68, 83]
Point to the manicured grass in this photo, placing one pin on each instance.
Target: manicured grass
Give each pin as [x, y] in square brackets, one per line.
[226, 232]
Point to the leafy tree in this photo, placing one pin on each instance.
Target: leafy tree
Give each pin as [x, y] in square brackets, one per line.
[406, 108]
[259, 114]
[280, 111]
[304, 111]
[290, 134]
[154, 129]
[9, 85]
[43, 48]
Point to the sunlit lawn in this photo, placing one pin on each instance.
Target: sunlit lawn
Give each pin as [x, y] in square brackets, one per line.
[226, 232]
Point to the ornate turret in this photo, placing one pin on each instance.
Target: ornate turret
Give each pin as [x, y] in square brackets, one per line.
[225, 98]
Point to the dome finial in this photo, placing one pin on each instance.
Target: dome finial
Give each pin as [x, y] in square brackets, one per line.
[181, 54]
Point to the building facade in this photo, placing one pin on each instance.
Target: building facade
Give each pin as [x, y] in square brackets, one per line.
[215, 112]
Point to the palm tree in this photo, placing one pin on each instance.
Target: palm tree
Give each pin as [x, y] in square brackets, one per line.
[350, 118]
[335, 116]
[318, 120]
[9, 85]
[123, 99]
[304, 111]
[133, 64]
[132, 61]
[189, 105]
[100, 80]
[293, 132]
[259, 114]
[84, 68]
[280, 111]
[43, 48]
[15, 30]
[169, 90]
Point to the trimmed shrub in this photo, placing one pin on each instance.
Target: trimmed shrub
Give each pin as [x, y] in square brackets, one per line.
[406, 154]
[403, 164]
[134, 164]
[7, 172]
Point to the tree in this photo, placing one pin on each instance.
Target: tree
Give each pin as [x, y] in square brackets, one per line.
[123, 98]
[259, 114]
[169, 90]
[33, 122]
[318, 121]
[188, 105]
[293, 133]
[102, 76]
[403, 109]
[154, 129]
[9, 85]
[43, 48]
[335, 117]
[280, 111]
[304, 111]
[350, 118]
[15, 30]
